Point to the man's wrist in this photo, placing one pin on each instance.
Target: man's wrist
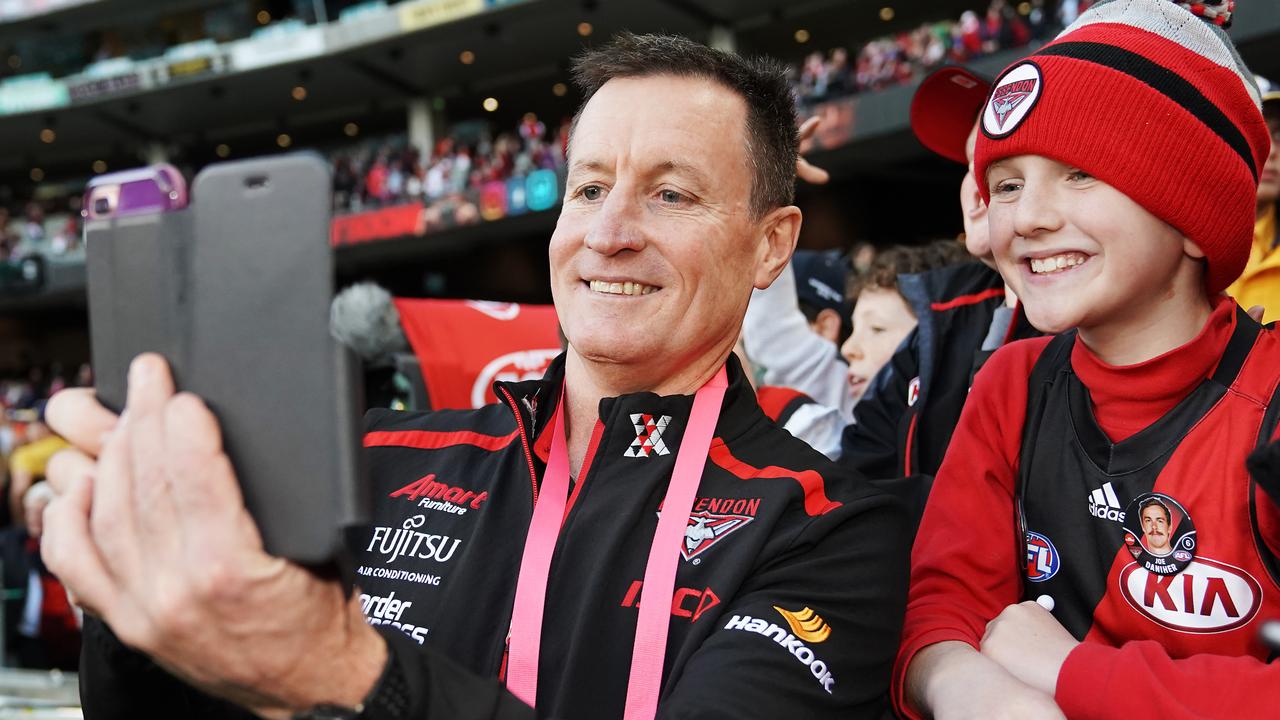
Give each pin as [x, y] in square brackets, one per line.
[356, 664]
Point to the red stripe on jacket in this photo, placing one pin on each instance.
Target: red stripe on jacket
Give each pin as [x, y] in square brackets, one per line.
[816, 501]
[963, 300]
[434, 440]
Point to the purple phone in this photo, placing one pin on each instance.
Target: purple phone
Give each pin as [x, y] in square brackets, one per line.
[152, 189]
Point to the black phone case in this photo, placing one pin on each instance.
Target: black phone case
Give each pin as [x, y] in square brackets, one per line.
[234, 291]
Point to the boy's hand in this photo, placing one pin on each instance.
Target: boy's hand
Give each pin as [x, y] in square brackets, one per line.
[1256, 312]
[811, 174]
[150, 533]
[1028, 642]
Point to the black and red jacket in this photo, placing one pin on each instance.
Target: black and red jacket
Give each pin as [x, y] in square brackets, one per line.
[778, 536]
[903, 425]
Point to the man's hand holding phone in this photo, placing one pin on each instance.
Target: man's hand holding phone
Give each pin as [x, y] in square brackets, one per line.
[149, 532]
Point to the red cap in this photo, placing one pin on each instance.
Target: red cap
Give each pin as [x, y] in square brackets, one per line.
[944, 108]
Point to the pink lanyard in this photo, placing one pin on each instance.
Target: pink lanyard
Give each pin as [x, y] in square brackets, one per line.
[649, 650]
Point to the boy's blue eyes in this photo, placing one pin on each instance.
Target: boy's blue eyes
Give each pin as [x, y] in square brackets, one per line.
[1006, 186]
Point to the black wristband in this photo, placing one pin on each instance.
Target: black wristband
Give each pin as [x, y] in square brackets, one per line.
[390, 698]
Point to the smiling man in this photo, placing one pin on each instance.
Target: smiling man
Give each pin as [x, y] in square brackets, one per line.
[627, 536]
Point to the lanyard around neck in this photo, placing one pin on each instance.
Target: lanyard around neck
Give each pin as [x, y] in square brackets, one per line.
[649, 650]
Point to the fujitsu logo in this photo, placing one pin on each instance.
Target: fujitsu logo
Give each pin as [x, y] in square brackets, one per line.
[407, 541]
[439, 496]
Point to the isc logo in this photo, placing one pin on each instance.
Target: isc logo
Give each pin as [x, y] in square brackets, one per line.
[1042, 558]
[1207, 597]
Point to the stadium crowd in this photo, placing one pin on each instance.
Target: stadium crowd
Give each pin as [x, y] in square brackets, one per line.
[388, 171]
[906, 56]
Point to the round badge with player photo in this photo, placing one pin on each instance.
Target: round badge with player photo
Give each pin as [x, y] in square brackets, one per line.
[1159, 533]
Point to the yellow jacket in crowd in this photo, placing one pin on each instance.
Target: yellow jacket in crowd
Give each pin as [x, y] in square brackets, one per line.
[1260, 282]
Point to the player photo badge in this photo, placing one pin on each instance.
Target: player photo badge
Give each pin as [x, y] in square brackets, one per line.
[1012, 98]
[1159, 533]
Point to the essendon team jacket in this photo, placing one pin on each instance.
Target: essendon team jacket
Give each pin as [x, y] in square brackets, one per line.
[788, 599]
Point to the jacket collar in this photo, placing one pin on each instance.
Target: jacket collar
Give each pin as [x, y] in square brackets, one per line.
[635, 415]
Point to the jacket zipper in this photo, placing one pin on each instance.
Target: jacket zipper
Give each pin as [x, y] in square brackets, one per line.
[533, 484]
[524, 440]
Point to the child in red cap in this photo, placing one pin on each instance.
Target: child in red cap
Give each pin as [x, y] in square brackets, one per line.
[1093, 545]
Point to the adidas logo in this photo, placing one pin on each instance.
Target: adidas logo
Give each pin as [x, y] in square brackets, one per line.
[1104, 504]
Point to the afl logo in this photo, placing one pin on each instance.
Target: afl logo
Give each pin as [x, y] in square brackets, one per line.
[1014, 95]
[1042, 558]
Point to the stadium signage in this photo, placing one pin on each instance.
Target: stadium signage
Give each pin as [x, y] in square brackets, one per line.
[386, 223]
[421, 14]
[28, 93]
[277, 45]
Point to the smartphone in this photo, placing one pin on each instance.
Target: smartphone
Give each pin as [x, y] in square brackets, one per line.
[136, 233]
[143, 191]
[233, 287]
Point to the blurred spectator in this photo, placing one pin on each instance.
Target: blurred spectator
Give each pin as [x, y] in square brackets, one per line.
[882, 317]
[1259, 284]
[41, 627]
[27, 463]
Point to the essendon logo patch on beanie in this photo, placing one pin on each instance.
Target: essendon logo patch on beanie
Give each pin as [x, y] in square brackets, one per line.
[1013, 97]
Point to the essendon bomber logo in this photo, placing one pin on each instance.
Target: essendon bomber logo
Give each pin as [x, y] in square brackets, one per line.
[712, 520]
[1012, 99]
[433, 495]
[1007, 98]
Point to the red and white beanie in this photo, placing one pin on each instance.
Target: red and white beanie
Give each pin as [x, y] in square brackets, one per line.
[1150, 98]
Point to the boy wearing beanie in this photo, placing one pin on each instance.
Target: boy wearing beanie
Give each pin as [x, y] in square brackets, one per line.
[1093, 545]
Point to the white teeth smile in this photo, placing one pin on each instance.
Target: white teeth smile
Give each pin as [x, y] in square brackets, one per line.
[1057, 263]
[621, 288]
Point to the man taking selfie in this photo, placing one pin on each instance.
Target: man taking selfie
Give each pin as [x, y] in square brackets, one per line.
[628, 536]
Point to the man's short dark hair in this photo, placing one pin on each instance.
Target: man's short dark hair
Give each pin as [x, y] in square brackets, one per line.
[1155, 502]
[772, 136]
